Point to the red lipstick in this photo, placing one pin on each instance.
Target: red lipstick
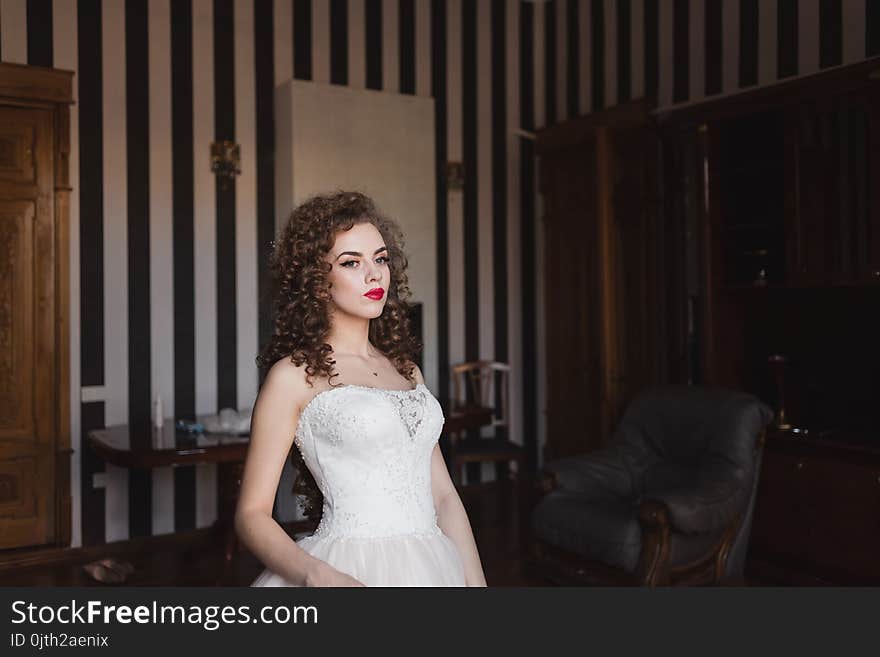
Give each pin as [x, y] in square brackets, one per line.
[376, 293]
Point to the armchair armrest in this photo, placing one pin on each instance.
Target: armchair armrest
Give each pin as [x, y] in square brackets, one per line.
[547, 482]
[653, 568]
[710, 505]
[653, 514]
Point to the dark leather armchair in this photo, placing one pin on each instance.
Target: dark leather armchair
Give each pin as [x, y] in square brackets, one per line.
[668, 501]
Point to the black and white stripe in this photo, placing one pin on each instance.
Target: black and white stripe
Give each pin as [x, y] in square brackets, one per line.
[265, 73]
[39, 43]
[470, 153]
[528, 301]
[168, 270]
[550, 50]
[438, 84]
[302, 39]
[161, 245]
[406, 45]
[390, 46]
[140, 494]
[598, 35]
[713, 31]
[624, 50]
[339, 41]
[500, 174]
[115, 228]
[748, 43]
[225, 51]
[91, 256]
[184, 30]
[13, 31]
[63, 34]
[680, 51]
[246, 245]
[872, 29]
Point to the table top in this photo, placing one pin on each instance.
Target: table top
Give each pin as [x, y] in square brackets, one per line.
[149, 447]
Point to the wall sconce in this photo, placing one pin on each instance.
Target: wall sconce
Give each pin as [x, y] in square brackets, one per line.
[455, 175]
[225, 160]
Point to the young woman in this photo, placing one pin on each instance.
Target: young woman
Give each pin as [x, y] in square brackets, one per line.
[343, 391]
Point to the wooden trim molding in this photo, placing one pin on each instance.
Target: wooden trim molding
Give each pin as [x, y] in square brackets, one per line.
[574, 132]
[826, 83]
[19, 82]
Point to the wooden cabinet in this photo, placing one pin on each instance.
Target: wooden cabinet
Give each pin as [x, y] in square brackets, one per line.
[792, 194]
[833, 217]
[599, 184]
[568, 184]
[818, 510]
[786, 240]
[746, 197]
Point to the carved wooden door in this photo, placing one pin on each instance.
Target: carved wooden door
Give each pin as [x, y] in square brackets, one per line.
[27, 328]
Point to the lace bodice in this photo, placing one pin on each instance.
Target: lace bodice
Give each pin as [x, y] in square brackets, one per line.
[369, 450]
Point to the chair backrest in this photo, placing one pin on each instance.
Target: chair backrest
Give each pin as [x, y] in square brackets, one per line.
[688, 424]
[489, 385]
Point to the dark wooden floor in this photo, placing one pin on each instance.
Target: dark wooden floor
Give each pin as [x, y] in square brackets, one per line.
[498, 513]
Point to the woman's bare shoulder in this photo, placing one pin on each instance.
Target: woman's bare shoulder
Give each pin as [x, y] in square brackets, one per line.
[288, 379]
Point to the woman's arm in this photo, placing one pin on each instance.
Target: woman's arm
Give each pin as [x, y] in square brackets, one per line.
[453, 520]
[273, 423]
[451, 515]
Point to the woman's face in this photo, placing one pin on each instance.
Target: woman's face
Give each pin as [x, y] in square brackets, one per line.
[360, 271]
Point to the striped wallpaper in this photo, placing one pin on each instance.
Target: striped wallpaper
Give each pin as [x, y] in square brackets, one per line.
[168, 268]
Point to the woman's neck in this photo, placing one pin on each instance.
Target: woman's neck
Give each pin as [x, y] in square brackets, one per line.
[350, 336]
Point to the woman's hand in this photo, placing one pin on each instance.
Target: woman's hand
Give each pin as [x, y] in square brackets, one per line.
[323, 574]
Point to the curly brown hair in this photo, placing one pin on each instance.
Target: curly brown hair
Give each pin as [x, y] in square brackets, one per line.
[301, 296]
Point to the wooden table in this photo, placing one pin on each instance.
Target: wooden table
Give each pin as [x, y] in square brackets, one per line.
[147, 447]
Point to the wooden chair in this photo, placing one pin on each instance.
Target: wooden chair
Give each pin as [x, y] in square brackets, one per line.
[483, 378]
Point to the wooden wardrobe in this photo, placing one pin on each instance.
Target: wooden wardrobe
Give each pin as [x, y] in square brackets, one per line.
[603, 256]
[34, 300]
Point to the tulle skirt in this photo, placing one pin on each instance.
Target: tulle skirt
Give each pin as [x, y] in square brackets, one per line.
[406, 560]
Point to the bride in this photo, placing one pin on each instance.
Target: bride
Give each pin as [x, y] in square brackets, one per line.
[343, 397]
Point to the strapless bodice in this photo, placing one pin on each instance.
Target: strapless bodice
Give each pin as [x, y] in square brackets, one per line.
[369, 450]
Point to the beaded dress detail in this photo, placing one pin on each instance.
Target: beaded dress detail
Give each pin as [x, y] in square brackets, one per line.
[369, 450]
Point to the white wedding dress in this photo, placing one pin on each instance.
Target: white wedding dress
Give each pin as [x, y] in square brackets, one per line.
[369, 450]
